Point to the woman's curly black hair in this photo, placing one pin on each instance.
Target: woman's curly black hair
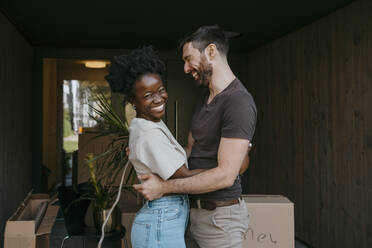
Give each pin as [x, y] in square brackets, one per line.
[125, 70]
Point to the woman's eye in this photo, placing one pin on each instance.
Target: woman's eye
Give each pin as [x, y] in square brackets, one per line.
[162, 89]
[147, 96]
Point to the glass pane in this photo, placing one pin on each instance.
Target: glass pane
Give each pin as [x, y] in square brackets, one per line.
[78, 96]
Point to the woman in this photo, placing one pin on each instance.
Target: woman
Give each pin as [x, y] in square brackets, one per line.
[153, 149]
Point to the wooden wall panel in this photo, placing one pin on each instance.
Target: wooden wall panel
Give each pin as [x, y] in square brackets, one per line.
[50, 121]
[313, 142]
[15, 119]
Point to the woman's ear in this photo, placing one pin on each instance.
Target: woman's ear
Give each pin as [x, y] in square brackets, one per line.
[133, 104]
[131, 101]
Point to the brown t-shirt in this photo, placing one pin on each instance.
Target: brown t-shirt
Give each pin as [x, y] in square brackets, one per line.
[231, 114]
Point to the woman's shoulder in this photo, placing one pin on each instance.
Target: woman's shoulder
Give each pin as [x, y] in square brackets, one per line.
[141, 130]
[140, 124]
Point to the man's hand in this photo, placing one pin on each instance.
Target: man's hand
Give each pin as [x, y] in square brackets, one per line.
[190, 143]
[152, 186]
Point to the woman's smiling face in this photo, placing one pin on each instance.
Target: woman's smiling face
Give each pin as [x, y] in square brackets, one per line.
[150, 97]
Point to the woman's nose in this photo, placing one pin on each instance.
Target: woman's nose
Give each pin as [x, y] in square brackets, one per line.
[157, 98]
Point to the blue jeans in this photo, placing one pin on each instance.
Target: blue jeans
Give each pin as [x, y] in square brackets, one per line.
[161, 223]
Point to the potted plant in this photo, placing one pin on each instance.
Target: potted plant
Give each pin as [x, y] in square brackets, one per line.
[105, 168]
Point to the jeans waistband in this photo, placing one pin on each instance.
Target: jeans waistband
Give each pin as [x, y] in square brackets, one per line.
[166, 200]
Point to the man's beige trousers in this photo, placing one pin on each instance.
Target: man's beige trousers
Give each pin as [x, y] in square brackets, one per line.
[223, 227]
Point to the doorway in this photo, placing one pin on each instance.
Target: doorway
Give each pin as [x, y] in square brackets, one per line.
[69, 87]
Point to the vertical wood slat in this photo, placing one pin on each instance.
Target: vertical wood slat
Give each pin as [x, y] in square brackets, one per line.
[180, 88]
[313, 90]
[15, 119]
[50, 119]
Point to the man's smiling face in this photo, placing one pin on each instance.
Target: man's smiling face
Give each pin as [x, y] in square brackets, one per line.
[196, 64]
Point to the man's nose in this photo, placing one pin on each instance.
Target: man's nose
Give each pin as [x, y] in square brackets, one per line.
[186, 68]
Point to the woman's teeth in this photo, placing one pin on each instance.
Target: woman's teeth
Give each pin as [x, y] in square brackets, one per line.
[159, 108]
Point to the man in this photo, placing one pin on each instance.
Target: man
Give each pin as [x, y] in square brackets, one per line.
[222, 127]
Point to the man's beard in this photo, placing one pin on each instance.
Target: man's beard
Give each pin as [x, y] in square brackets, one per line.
[205, 73]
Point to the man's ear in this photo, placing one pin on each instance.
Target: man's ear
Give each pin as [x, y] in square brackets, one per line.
[211, 51]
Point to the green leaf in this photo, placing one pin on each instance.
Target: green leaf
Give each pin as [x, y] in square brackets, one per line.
[110, 163]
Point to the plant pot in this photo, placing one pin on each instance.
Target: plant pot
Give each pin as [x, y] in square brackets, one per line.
[99, 216]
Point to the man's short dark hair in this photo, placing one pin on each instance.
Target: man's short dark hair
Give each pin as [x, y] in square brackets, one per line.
[206, 35]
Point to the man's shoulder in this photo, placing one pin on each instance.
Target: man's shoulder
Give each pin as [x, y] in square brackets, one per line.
[239, 100]
[239, 87]
[240, 95]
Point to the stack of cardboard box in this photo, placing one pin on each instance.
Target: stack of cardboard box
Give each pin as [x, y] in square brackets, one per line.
[31, 224]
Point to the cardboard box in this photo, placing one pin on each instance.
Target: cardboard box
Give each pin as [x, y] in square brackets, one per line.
[271, 222]
[127, 221]
[89, 143]
[129, 205]
[31, 224]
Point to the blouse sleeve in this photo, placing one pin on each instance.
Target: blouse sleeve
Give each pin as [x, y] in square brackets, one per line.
[156, 151]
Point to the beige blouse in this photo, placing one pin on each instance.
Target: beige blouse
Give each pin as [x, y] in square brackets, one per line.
[153, 149]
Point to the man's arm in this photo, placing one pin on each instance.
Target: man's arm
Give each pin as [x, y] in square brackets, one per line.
[231, 153]
[188, 149]
[183, 172]
[245, 164]
[190, 143]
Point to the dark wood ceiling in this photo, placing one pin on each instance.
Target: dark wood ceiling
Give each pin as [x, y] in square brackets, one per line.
[121, 24]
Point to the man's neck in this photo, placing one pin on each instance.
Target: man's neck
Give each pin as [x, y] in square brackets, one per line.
[221, 78]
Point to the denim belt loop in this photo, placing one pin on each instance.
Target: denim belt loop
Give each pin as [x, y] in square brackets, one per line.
[198, 203]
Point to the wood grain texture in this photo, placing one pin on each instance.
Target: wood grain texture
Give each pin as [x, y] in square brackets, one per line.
[50, 120]
[313, 90]
[15, 119]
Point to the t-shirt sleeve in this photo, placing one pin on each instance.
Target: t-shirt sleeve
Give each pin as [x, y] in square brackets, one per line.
[239, 117]
[155, 150]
